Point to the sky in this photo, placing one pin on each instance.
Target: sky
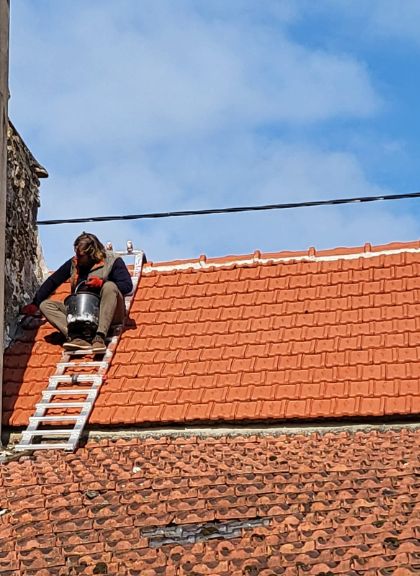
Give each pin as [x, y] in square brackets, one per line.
[137, 106]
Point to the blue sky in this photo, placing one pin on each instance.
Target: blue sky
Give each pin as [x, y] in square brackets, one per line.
[153, 105]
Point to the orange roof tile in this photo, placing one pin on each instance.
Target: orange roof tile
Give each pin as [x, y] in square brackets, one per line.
[337, 503]
[306, 335]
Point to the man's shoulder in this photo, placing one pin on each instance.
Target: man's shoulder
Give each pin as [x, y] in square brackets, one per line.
[115, 260]
[111, 257]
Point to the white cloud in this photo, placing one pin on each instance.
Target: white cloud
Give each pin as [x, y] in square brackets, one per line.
[258, 174]
[138, 106]
[173, 74]
[396, 19]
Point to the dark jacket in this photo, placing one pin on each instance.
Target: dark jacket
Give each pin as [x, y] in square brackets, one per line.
[118, 274]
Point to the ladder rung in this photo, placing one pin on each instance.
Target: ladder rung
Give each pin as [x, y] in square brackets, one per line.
[52, 446]
[73, 392]
[55, 432]
[74, 378]
[64, 365]
[77, 422]
[82, 352]
[88, 351]
[48, 405]
[69, 392]
[67, 418]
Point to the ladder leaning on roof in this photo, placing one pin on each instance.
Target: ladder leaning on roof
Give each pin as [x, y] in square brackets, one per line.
[72, 414]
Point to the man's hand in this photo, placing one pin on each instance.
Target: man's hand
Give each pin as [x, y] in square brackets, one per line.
[94, 282]
[29, 310]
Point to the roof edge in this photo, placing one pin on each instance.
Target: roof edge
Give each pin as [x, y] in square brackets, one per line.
[95, 433]
[311, 255]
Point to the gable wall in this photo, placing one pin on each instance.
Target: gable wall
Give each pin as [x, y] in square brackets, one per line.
[24, 265]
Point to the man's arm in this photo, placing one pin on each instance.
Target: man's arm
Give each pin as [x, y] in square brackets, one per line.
[52, 283]
[121, 276]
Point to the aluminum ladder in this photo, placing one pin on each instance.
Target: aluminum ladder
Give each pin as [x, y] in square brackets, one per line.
[42, 432]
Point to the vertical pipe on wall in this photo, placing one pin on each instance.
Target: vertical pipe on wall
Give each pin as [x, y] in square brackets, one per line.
[4, 97]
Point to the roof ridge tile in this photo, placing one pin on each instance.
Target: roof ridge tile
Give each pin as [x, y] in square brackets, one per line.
[251, 260]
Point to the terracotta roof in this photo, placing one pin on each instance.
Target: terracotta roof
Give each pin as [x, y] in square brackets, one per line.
[234, 506]
[293, 335]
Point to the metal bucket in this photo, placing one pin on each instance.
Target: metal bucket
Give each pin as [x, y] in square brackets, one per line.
[82, 314]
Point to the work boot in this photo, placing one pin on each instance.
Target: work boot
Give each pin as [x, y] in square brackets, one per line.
[77, 344]
[98, 344]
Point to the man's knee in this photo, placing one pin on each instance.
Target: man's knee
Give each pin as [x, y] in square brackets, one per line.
[109, 288]
[55, 312]
[47, 305]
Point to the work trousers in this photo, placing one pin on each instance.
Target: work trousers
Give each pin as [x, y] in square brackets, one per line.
[111, 310]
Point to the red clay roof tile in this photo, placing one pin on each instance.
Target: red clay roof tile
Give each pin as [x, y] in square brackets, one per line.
[324, 334]
[335, 503]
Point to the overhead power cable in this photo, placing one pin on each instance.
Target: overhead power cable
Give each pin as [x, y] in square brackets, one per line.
[332, 202]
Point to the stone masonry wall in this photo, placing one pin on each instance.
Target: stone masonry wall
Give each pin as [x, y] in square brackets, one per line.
[24, 266]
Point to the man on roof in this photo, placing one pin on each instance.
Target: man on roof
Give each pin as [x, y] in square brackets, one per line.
[95, 270]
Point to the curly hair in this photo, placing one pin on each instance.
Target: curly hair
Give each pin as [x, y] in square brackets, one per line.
[90, 245]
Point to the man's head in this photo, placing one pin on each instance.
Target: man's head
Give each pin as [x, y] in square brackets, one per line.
[89, 249]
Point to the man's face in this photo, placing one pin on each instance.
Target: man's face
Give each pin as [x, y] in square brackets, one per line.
[82, 258]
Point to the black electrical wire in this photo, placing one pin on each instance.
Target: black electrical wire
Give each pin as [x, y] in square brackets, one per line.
[233, 209]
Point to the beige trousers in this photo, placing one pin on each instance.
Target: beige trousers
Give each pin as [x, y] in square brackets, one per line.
[111, 310]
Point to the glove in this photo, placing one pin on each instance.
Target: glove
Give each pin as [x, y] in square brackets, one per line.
[29, 310]
[94, 282]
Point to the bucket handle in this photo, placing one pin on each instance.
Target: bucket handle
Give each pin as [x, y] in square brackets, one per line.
[78, 286]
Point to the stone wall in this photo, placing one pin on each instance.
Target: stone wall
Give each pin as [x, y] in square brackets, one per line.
[24, 266]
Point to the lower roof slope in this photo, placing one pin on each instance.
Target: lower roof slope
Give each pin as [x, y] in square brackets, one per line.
[244, 506]
[279, 336]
